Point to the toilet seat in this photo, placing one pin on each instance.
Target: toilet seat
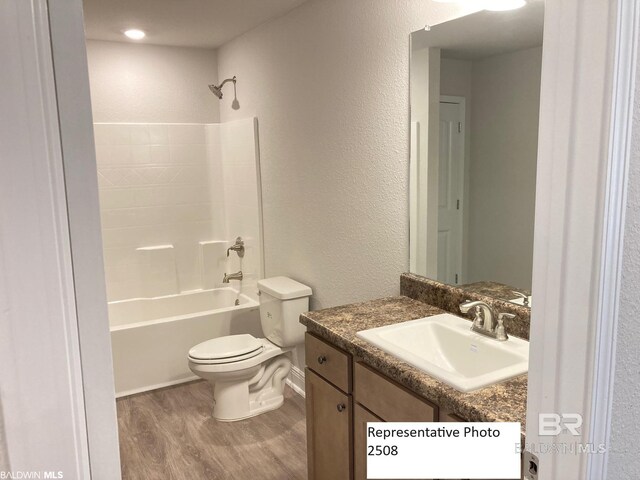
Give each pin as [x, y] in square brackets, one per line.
[215, 361]
[266, 351]
[231, 348]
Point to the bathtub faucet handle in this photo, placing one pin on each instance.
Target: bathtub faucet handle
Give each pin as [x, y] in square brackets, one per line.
[237, 247]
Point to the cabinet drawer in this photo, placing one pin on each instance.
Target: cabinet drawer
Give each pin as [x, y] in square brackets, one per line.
[329, 362]
[389, 400]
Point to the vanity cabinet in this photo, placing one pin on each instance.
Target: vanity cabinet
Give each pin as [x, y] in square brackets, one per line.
[329, 406]
[341, 397]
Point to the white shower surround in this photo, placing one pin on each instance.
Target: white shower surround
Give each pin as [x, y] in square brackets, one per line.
[173, 197]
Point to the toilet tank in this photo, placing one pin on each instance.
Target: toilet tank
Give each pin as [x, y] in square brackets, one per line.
[282, 300]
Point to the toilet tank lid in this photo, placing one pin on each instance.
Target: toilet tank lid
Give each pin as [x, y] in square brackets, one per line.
[284, 288]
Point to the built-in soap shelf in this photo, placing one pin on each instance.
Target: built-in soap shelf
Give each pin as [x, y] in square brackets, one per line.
[159, 272]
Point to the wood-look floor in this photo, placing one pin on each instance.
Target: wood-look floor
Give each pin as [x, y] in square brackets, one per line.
[169, 434]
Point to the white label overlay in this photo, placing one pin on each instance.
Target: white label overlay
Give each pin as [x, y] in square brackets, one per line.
[417, 450]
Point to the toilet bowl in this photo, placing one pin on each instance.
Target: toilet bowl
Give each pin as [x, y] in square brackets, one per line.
[247, 373]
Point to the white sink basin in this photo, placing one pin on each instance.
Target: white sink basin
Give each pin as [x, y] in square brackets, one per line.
[445, 347]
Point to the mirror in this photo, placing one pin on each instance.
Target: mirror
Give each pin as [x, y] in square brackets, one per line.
[475, 99]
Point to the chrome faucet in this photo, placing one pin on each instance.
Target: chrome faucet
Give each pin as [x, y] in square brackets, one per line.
[485, 322]
[232, 276]
[237, 247]
[523, 296]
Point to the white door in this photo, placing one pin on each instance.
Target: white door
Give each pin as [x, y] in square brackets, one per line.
[450, 189]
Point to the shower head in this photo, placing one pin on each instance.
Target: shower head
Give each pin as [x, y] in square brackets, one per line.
[217, 89]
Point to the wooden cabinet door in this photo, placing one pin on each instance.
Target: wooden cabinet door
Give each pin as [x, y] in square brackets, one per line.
[389, 400]
[360, 418]
[329, 442]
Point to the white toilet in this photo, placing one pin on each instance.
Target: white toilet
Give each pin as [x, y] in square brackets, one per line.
[248, 373]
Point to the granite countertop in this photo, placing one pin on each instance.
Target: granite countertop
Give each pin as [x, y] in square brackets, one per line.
[503, 402]
[494, 289]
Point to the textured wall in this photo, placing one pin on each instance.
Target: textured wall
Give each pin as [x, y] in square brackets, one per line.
[329, 85]
[624, 462]
[151, 84]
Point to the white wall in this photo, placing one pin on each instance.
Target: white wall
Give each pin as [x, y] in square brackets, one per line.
[329, 85]
[623, 459]
[455, 77]
[141, 83]
[504, 137]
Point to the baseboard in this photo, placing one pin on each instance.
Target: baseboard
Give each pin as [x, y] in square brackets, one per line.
[295, 380]
[147, 388]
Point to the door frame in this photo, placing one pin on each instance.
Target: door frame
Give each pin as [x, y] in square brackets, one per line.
[57, 401]
[587, 91]
[588, 74]
[68, 50]
[462, 102]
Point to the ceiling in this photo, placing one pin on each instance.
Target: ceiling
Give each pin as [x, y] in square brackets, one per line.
[187, 23]
[484, 34]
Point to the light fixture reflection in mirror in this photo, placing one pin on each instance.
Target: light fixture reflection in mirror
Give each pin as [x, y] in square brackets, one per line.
[475, 86]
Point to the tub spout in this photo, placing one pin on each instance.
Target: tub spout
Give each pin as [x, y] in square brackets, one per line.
[232, 276]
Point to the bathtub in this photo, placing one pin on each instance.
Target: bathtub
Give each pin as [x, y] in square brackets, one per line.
[150, 337]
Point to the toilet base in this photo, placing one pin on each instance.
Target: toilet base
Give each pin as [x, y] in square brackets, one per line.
[245, 393]
[269, 400]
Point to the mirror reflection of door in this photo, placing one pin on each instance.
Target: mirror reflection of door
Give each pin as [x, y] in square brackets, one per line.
[475, 101]
[450, 190]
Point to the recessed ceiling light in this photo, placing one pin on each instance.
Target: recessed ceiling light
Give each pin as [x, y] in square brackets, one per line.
[501, 5]
[135, 34]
